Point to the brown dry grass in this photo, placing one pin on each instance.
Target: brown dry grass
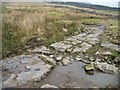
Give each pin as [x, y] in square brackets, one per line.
[21, 23]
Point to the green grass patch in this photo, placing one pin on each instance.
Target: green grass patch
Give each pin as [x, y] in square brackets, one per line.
[91, 21]
[115, 53]
[66, 22]
[111, 33]
[11, 39]
[5, 10]
[54, 38]
[94, 49]
[54, 31]
[55, 13]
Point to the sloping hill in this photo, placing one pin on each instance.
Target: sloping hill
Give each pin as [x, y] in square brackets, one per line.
[87, 5]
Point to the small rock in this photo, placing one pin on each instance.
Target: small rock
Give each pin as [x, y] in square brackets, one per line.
[14, 66]
[74, 82]
[48, 60]
[73, 41]
[59, 58]
[82, 60]
[97, 59]
[103, 53]
[69, 50]
[60, 46]
[48, 86]
[95, 88]
[77, 50]
[51, 56]
[78, 59]
[106, 57]
[9, 62]
[85, 46]
[89, 69]
[111, 46]
[64, 29]
[41, 49]
[91, 59]
[107, 68]
[117, 59]
[66, 61]
[87, 56]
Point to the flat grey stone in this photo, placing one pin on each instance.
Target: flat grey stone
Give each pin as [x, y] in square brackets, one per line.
[79, 37]
[73, 41]
[76, 50]
[28, 60]
[105, 67]
[11, 82]
[85, 46]
[82, 35]
[103, 53]
[93, 41]
[111, 46]
[50, 61]
[33, 74]
[29, 68]
[41, 49]
[19, 62]
[60, 46]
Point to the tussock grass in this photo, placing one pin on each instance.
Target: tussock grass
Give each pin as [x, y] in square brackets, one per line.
[22, 23]
[111, 33]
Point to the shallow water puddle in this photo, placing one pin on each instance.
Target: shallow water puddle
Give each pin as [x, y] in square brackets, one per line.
[75, 76]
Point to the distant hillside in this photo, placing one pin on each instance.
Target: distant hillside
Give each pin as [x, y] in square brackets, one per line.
[87, 5]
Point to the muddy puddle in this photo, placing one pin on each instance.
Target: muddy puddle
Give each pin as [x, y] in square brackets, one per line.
[73, 75]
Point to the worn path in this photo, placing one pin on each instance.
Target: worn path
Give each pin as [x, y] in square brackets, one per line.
[36, 68]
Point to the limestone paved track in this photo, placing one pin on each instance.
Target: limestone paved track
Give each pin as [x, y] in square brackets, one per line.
[35, 66]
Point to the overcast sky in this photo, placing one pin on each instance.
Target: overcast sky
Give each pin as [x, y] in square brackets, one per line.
[112, 3]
